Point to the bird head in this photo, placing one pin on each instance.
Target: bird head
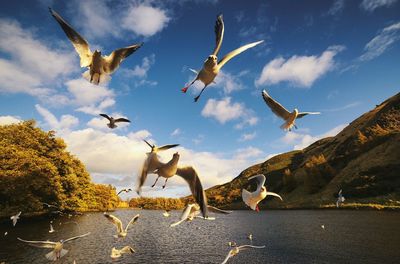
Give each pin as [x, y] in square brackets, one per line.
[211, 60]
[296, 111]
[97, 52]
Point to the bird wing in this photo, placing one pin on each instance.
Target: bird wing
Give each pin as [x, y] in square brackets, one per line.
[184, 215]
[191, 177]
[301, 114]
[217, 210]
[151, 163]
[115, 220]
[340, 192]
[151, 146]
[120, 192]
[80, 44]
[165, 147]
[227, 257]
[76, 237]
[39, 244]
[194, 71]
[106, 116]
[260, 178]
[122, 120]
[219, 34]
[133, 220]
[274, 194]
[113, 60]
[249, 246]
[235, 52]
[127, 249]
[276, 107]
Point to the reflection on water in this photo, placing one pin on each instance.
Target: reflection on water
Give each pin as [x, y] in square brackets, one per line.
[290, 237]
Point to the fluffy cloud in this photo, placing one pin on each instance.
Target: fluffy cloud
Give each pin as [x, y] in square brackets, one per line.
[247, 136]
[140, 71]
[336, 7]
[301, 71]
[64, 124]
[176, 132]
[381, 42]
[8, 120]
[371, 5]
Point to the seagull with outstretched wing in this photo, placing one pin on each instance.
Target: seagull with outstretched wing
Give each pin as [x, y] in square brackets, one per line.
[113, 120]
[212, 66]
[15, 218]
[192, 211]
[280, 111]
[117, 253]
[121, 232]
[100, 67]
[233, 252]
[124, 190]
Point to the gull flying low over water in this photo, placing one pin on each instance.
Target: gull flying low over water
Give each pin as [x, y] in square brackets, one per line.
[280, 111]
[112, 121]
[100, 67]
[252, 199]
[124, 190]
[166, 213]
[50, 205]
[118, 223]
[51, 229]
[233, 252]
[193, 210]
[211, 65]
[15, 218]
[116, 253]
[340, 199]
[58, 251]
[168, 170]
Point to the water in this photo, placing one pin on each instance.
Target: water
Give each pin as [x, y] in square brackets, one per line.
[290, 237]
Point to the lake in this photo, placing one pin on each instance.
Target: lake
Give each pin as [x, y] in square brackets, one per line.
[290, 236]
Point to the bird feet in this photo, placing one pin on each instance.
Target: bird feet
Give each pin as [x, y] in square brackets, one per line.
[184, 89]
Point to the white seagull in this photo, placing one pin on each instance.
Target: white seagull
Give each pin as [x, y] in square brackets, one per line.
[15, 218]
[100, 67]
[166, 213]
[252, 199]
[193, 210]
[116, 253]
[51, 229]
[117, 222]
[58, 251]
[280, 111]
[340, 199]
[212, 66]
[113, 120]
[236, 250]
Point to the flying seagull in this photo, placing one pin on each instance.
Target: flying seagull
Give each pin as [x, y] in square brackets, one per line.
[100, 67]
[212, 66]
[166, 213]
[281, 112]
[58, 251]
[51, 229]
[15, 218]
[340, 199]
[168, 170]
[193, 210]
[252, 199]
[112, 122]
[117, 222]
[236, 250]
[50, 205]
[152, 162]
[116, 253]
[124, 190]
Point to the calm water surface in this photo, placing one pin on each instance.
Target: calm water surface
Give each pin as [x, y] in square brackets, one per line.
[290, 237]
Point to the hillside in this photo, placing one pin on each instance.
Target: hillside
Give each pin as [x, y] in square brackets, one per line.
[363, 160]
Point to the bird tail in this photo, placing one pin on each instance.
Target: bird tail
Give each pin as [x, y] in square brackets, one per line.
[246, 196]
[53, 255]
[287, 126]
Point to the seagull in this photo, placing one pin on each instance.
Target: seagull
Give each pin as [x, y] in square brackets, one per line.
[112, 122]
[340, 199]
[212, 66]
[51, 229]
[58, 251]
[166, 213]
[124, 190]
[236, 250]
[168, 170]
[232, 244]
[100, 67]
[5, 233]
[152, 162]
[116, 253]
[15, 218]
[50, 205]
[281, 112]
[323, 227]
[117, 222]
[250, 237]
[252, 199]
[193, 210]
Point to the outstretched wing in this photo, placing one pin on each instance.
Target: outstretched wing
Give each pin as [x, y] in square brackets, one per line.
[165, 147]
[113, 61]
[230, 254]
[260, 178]
[122, 120]
[249, 246]
[191, 177]
[276, 107]
[274, 194]
[217, 210]
[115, 221]
[76, 237]
[301, 114]
[235, 52]
[219, 34]
[127, 249]
[184, 215]
[151, 163]
[133, 220]
[80, 44]
[106, 116]
[39, 244]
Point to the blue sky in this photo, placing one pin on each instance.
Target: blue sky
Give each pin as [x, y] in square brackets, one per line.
[338, 57]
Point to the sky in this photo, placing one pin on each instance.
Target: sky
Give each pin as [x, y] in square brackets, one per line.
[339, 57]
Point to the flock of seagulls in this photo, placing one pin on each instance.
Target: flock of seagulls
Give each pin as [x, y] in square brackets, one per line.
[99, 70]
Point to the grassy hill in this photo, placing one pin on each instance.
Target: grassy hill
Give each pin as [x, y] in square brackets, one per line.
[363, 160]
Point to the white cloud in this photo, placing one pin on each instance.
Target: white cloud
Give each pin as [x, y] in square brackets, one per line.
[8, 120]
[140, 71]
[145, 20]
[345, 107]
[371, 5]
[248, 153]
[247, 136]
[176, 132]
[381, 42]
[301, 71]
[336, 8]
[65, 123]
